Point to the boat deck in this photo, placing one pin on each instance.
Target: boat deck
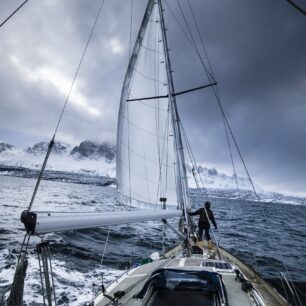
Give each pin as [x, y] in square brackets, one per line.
[133, 281]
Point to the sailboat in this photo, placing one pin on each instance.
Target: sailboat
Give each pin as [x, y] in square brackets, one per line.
[151, 176]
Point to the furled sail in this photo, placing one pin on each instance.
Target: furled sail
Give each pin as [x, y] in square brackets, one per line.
[146, 158]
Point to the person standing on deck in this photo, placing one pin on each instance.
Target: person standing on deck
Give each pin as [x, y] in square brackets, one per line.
[206, 214]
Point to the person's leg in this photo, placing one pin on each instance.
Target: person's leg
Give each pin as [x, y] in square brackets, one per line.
[200, 233]
[207, 236]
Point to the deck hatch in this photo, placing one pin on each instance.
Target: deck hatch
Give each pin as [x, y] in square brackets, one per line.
[217, 265]
[192, 263]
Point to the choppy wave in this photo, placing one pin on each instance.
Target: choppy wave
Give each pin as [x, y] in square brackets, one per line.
[265, 235]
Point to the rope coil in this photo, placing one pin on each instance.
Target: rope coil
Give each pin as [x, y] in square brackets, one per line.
[16, 294]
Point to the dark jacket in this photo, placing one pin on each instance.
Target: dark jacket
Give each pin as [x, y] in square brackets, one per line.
[203, 221]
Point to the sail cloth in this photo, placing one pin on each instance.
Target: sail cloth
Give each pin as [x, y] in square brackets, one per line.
[146, 158]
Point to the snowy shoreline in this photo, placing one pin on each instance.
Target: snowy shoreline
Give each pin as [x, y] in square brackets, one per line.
[92, 178]
[95, 164]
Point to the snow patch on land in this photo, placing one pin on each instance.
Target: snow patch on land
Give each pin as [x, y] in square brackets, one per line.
[91, 160]
[62, 158]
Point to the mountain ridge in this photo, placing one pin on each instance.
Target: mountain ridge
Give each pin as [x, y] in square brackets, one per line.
[87, 157]
[70, 163]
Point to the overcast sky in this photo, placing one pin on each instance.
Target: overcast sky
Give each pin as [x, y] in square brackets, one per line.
[257, 50]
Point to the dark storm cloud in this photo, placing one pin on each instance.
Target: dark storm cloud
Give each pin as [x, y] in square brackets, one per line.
[257, 50]
[41, 48]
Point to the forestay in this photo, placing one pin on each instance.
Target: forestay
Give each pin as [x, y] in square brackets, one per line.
[146, 158]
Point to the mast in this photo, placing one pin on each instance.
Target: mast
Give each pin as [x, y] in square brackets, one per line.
[182, 188]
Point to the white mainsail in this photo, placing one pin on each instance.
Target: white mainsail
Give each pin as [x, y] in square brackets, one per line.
[150, 159]
[146, 156]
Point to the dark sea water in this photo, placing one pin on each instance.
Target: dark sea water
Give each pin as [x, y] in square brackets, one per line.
[270, 237]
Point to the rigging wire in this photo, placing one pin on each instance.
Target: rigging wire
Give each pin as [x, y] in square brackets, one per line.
[193, 161]
[79, 65]
[178, 22]
[50, 146]
[183, 191]
[63, 109]
[162, 147]
[224, 117]
[42, 170]
[201, 38]
[212, 74]
[232, 159]
[297, 7]
[105, 245]
[127, 108]
[156, 112]
[130, 124]
[161, 132]
[218, 99]
[216, 93]
[161, 164]
[225, 120]
[216, 239]
[13, 13]
[208, 73]
[131, 29]
[193, 44]
[145, 158]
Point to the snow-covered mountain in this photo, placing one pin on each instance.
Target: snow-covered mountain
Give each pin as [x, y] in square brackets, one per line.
[5, 147]
[88, 157]
[42, 147]
[88, 149]
[8, 151]
[89, 161]
[212, 178]
[220, 185]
